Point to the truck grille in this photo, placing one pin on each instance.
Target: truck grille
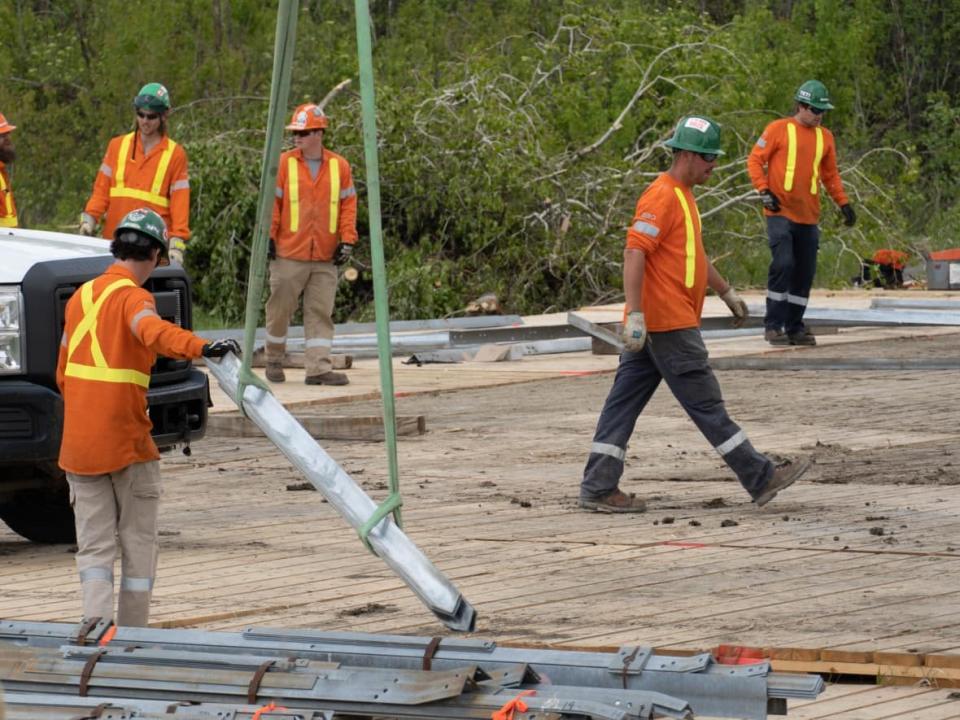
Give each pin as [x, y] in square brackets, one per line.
[15, 424]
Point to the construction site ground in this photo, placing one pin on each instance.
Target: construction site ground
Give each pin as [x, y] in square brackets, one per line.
[851, 572]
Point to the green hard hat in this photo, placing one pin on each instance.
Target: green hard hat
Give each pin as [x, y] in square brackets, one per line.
[152, 96]
[814, 93]
[147, 227]
[697, 134]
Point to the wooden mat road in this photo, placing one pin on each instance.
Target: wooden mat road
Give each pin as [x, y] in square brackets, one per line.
[490, 497]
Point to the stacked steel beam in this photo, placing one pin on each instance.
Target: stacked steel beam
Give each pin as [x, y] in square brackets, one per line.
[312, 673]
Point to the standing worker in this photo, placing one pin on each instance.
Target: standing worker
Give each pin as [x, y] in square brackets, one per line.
[313, 231]
[8, 208]
[665, 276]
[143, 168]
[787, 164]
[111, 338]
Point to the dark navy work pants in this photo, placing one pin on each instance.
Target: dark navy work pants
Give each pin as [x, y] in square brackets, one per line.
[793, 263]
[678, 357]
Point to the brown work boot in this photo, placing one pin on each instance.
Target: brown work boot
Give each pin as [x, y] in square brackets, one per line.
[783, 477]
[275, 371]
[804, 337]
[775, 337]
[615, 502]
[328, 378]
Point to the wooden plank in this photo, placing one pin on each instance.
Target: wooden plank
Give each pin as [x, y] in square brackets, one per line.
[321, 427]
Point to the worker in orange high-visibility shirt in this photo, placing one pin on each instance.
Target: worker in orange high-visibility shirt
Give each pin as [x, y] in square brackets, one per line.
[787, 165]
[143, 168]
[8, 208]
[314, 230]
[111, 339]
[665, 276]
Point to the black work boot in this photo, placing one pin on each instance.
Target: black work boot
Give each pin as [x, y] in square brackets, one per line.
[616, 502]
[783, 477]
[775, 337]
[804, 337]
[328, 378]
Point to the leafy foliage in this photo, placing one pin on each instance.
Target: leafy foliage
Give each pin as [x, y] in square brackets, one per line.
[515, 135]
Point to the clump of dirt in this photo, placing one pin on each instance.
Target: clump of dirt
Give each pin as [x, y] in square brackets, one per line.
[715, 503]
[729, 523]
[368, 609]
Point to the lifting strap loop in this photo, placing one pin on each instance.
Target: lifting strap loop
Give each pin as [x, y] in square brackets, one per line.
[393, 502]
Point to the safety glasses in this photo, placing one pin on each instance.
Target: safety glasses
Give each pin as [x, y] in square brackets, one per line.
[815, 110]
[304, 133]
[147, 116]
[708, 157]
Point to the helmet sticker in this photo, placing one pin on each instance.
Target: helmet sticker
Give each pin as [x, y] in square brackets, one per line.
[697, 124]
[136, 215]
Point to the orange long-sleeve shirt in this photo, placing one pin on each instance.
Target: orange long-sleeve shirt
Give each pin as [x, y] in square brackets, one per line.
[105, 423]
[8, 208]
[312, 215]
[789, 160]
[666, 227]
[166, 192]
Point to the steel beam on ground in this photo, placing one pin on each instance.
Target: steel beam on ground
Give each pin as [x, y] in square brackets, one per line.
[388, 541]
[854, 318]
[915, 304]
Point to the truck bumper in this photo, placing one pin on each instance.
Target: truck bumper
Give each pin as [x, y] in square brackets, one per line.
[31, 417]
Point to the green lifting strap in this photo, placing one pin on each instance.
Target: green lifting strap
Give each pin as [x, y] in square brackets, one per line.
[365, 56]
[287, 12]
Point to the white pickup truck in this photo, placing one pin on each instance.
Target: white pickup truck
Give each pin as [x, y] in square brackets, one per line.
[39, 271]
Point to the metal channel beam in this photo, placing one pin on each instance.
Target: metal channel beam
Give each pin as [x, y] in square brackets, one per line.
[915, 304]
[391, 544]
[859, 318]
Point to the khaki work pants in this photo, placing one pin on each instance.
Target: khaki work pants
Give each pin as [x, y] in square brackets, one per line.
[317, 282]
[122, 504]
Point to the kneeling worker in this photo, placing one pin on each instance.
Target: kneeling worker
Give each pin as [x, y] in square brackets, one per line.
[111, 338]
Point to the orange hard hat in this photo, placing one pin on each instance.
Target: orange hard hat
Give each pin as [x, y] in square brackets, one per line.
[5, 126]
[308, 117]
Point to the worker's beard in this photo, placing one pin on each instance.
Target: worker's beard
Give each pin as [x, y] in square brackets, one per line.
[7, 155]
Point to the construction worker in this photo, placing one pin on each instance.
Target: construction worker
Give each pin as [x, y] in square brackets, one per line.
[665, 276]
[111, 338]
[314, 230]
[787, 164]
[143, 168]
[8, 208]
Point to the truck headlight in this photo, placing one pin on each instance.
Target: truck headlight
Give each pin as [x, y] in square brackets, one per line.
[11, 304]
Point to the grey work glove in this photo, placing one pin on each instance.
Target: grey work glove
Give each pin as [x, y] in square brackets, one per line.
[343, 253]
[770, 201]
[177, 248]
[634, 332]
[219, 348]
[849, 216]
[737, 306]
[88, 225]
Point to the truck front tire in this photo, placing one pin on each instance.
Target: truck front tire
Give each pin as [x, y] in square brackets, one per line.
[41, 514]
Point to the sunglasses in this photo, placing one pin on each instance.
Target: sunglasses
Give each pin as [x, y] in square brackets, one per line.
[147, 116]
[815, 110]
[305, 133]
[708, 157]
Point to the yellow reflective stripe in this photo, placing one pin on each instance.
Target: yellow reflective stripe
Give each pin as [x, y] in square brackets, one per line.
[8, 221]
[105, 374]
[814, 181]
[122, 160]
[691, 249]
[11, 218]
[153, 195]
[88, 325]
[334, 194]
[293, 186]
[791, 157]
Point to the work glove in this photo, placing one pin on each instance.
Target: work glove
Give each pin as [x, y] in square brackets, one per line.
[271, 250]
[634, 332]
[849, 216]
[343, 253]
[770, 201]
[737, 306]
[177, 248]
[219, 348]
[87, 224]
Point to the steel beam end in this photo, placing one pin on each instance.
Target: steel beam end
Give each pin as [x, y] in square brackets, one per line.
[463, 619]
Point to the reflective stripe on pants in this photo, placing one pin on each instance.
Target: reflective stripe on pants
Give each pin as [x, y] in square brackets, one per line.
[317, 282]
[678, 357]
[123, 504]
[793, 264]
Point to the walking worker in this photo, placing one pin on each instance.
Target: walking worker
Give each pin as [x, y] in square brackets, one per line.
[313, 231]
[143, 168]
[8, 208]
[791, 159]
[111, 338]
[665, 276]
